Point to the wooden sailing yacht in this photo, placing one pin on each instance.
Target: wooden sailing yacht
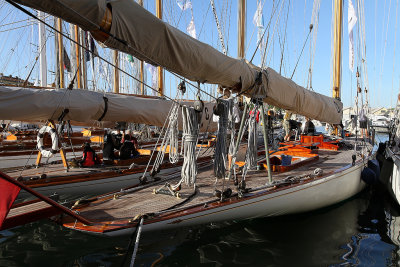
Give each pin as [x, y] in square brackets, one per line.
[321, 172]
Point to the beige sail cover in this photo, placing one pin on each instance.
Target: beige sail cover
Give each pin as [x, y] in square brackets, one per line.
[150, 39]
[23, 104]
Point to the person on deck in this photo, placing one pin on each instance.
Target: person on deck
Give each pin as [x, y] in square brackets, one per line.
[286, 126]
[363, 119]
[110, 143]
[89, 158]
[129, 148]
[309, 127]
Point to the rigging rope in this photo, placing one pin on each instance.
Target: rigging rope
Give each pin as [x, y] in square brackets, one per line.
[221, 38]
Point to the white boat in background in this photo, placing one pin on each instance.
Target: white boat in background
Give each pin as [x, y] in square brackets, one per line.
[380, 123]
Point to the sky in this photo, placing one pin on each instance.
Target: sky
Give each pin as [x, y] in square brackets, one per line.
[289, 24]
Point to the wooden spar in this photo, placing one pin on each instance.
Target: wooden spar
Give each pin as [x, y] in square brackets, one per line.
[241, 31]
[45, 199]
[83, 58]
[60, 53]
[159, 69]
[42, 51]
[77, 56]
[141, 66]
[116, 71]
[337, 39]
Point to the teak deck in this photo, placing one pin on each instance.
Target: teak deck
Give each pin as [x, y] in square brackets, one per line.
[144, 201]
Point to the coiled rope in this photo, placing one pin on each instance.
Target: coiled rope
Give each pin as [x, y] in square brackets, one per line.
[190, 119]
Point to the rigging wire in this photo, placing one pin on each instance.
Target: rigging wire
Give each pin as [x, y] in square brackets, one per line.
[266, 28]
[221, 37]
[394, 55]
[384, 49]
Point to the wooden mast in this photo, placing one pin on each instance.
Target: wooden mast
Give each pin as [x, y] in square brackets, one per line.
[60, 53]
[77, 56]
[42, 50]
[241, 31]
[337, 42]
[116, 71]
[141, 66]
[241, 27]
[159, 69]
[83, 59]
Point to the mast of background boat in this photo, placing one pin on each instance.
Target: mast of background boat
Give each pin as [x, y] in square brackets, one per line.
[337, 49]
[116, 72]
[42, 50]
[159, 69]
[141, 65]
[77, 58]
[60, 53]
[83, 57]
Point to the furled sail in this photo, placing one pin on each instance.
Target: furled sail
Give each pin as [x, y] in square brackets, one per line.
[134, 30]
[24, 104]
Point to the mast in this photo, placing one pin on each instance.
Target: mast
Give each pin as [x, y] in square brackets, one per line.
[159, 69]
[337, 42]
[116, 72]
[141, 65]
[241, 27]
[60, 53]
[42, 51]
[77, 56]
[83, 58]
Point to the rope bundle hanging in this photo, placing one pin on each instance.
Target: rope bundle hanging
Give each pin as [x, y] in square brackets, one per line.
[190, 119]
[171, 138]
[233, 117]
[251, 155]
[220, 147]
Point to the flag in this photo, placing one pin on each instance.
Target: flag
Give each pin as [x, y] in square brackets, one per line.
[9, 193]
[184, 4]
[92, 49]
[153, 70]
[258, 19]
[191, 29]
[352, 20]
[129, 58]
[67, 62]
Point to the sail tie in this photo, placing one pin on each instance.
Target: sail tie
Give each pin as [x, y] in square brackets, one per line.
[105, 108]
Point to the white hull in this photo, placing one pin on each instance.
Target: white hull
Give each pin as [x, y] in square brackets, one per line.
[381, 129]
[302, 198]
[393, 181]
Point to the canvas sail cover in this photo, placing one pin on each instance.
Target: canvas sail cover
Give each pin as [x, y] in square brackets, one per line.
[137, 32]
[24, 104]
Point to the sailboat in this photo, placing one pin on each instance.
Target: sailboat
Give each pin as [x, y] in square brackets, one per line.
[317, 172]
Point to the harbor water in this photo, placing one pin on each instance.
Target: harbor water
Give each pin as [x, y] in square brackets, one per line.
[362, 231]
